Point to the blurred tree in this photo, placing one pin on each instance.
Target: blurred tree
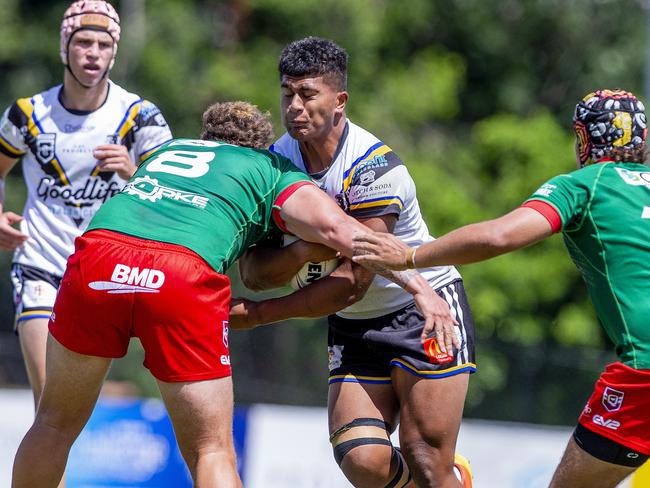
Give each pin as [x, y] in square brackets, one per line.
[476, 96]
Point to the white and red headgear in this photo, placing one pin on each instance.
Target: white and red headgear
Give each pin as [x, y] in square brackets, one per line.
[89, 14]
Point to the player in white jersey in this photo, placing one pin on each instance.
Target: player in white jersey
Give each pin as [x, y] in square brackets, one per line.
[381, 366]
[79, 142]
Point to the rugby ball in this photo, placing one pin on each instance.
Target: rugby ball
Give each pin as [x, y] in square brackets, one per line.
[310, 272]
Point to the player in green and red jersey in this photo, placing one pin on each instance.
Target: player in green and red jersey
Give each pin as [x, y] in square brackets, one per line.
[603, 212]
[151, 265]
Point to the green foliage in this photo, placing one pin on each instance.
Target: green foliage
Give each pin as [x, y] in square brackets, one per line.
[475, 96]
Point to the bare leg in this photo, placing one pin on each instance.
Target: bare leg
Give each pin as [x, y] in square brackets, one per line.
[33, 343]
[578, 469]
[366, 466]
[430, 416]
[32, 335]
[201, 412]
[69, 396]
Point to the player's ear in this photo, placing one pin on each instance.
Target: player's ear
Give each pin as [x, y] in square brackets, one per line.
[341, 101]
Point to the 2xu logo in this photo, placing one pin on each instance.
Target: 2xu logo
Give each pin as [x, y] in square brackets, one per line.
[607, 423]
[126, 279]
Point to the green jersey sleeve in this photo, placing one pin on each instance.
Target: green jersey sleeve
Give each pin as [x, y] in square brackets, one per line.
[569, 194]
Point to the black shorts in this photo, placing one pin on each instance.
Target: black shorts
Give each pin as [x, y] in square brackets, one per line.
[364, 351]
[34, 292]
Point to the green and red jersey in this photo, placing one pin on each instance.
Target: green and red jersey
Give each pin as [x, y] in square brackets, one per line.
[603, 211]
[214, 198]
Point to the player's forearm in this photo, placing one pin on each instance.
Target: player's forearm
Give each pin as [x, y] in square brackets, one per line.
[468, 244]
[263, 268]
[484, 240]
[410, 280]
[322, 298]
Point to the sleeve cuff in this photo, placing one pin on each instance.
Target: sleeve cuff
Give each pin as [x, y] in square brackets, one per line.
[282, 197]
[548, 212]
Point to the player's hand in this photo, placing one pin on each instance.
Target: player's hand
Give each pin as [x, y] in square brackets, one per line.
[379, 250]
[438, 320]
[243, 313]
[115, 157]
[10, 238]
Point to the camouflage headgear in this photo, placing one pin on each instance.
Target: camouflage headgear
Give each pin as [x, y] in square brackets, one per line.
[89, 14]
[608, 119]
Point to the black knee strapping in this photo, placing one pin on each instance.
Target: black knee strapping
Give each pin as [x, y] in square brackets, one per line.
[402, 476]
[340, 450]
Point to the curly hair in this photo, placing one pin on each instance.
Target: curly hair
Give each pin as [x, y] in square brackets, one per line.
[636, 154]
[239, 123]
[315, 56]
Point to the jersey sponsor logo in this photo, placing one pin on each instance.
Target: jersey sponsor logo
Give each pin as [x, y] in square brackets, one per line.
[94, 189]
[378, 161]
[147, 188]
[612, 399]
[45, 143]
[634, 178]
[70, 128]
[545, 190]
[225, 360]
[367, 177]
[607, 423]
[126, 279]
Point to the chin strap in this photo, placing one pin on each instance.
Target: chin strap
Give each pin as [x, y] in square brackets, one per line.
[88, 87]
[67, 62]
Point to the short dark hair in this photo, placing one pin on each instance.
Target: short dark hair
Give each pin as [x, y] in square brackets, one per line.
[315, 56]
[239, 123]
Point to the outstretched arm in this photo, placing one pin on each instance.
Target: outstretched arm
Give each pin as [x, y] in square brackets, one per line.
[471, 243]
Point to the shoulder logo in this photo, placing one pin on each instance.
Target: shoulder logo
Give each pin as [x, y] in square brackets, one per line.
[634, 178]
[545, 190]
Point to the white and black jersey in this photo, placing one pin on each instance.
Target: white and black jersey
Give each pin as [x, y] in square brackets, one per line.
[64, 186]
[368, 179]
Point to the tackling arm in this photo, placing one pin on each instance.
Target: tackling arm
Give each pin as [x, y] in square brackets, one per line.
[346, 285]
[471, 243]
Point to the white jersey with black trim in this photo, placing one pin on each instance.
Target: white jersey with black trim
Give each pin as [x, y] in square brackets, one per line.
[64, 186]
[367, 179]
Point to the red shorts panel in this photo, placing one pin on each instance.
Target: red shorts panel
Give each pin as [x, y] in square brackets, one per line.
[619, 408]
[116, 287]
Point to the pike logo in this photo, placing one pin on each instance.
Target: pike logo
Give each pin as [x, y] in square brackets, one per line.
[433, 352]
[131, 280]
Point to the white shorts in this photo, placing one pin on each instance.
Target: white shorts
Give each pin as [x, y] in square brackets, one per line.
[34, 292]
